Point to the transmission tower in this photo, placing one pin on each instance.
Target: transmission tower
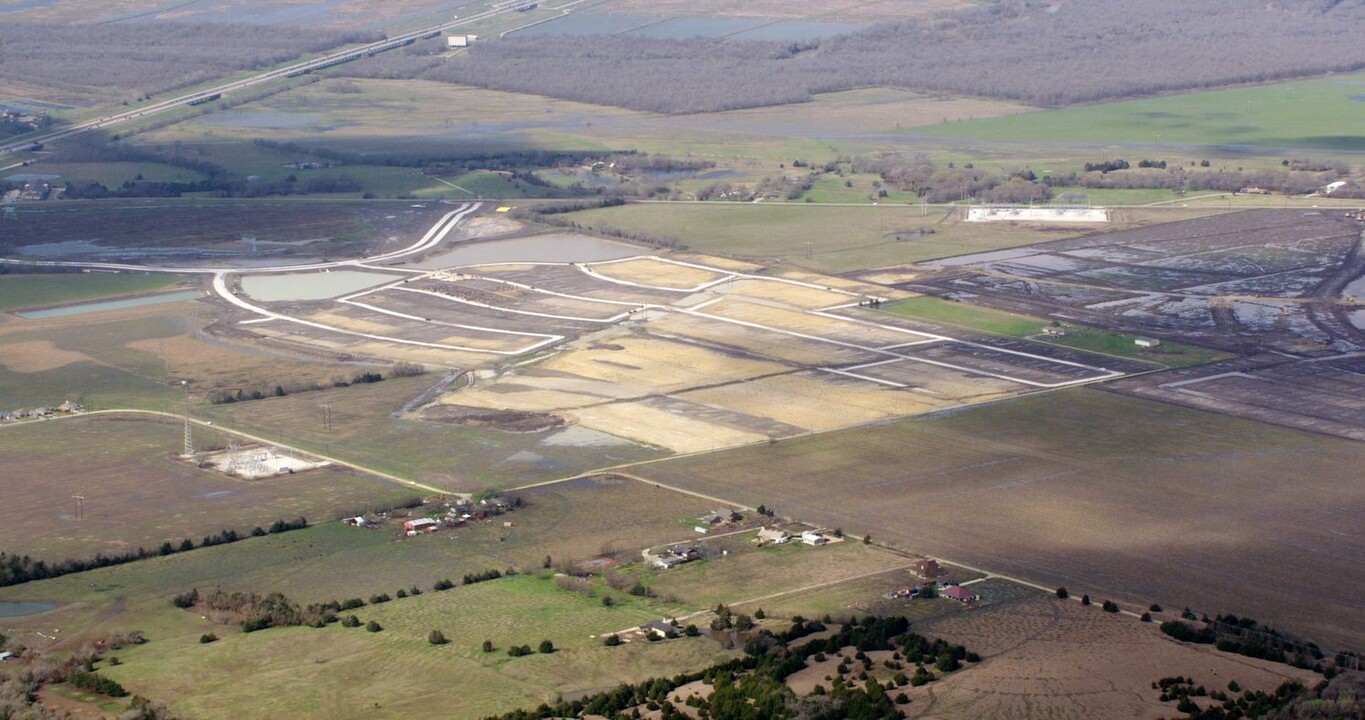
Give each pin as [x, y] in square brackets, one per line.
[189, 435]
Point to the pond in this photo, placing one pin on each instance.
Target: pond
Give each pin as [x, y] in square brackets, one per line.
[106, 305]
[282, 287]
[541, 248]
[9, 609]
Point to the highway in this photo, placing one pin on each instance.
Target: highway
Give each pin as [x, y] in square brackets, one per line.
[293, 70]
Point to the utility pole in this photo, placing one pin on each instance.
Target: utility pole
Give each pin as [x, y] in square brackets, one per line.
[189, 434]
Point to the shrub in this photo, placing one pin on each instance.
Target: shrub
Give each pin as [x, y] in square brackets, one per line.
[443, 585]
[350, 621]
[1062, 594]
[1154, 607]
[488, 646]
[546, 647]
[612, 640]
[207, 638]
[436, 637]
[373, 626]
[380, 598]
[1146, 617]
[519, 650]
[1085, 599]
[186, 600]
[1110, 606]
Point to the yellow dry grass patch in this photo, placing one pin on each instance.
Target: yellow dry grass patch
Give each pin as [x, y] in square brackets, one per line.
[646, 424]
[808, 324]
[542, 393]
[814, 403]
[720, 263]
[344, 322]
[770, 344]
[857, 287]
[657, 365]
[797, 295]
[656, 273]
[349, 345]
[33, 356]
[489, 341]
[490, 225]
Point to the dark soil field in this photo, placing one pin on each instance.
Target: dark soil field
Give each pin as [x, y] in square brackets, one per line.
[1104, 494]
[133, 229]
[138, 494]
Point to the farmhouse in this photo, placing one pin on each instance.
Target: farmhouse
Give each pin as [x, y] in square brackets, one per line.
[958, 593]
[926, 568]
[659, 629]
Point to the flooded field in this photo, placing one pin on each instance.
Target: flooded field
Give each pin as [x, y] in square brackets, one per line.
[107, 305]
[19, 609]
[278, 287]
[541, 248]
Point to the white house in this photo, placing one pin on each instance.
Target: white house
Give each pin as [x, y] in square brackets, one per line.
[814, 537]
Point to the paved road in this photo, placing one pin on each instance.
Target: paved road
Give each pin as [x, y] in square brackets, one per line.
[293, 70]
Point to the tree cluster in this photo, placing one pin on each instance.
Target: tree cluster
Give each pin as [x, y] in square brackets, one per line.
[1037, 53]
[1245, 636]
[752, 687]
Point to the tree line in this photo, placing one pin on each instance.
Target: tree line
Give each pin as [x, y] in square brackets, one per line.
[753, 686]
[1036, 53]
[18, 569]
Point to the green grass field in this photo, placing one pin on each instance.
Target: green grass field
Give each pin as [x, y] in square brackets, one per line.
[996, 322]
[331, 671]
[1307, 114]
[27, 291]
[114, 174]
[824, 238]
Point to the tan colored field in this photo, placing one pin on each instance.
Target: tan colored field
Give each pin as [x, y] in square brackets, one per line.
[1050, 658]
[813, 400]
[676, 432]
[537, 393]
[808, 324]
[313, 340]
[656, 273]
[36, 356]
[797, 295]
[656, 365]
[770, 344]
[337, 319]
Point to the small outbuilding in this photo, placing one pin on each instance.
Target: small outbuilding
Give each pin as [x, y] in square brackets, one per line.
[958, 593]
[814, 537]
[1146, 342]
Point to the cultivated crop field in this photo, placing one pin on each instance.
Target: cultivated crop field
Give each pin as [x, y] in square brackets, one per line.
[690, 324]
[1104, 494]
[1265, 116]
[139, 494]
